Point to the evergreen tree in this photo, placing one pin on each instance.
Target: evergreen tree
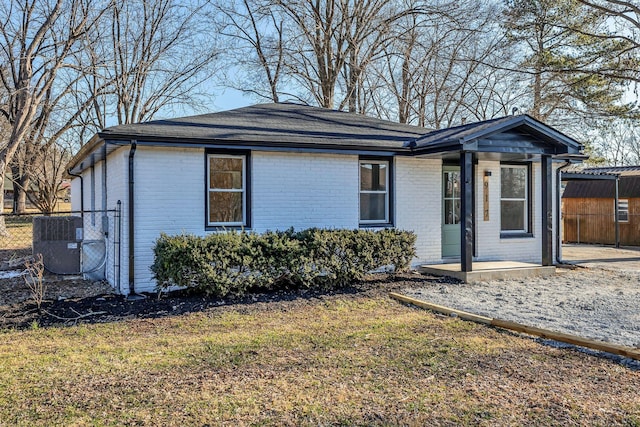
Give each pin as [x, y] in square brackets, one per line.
[566, 50]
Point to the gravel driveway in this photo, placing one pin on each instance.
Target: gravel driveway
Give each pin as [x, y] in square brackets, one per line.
[600, 302]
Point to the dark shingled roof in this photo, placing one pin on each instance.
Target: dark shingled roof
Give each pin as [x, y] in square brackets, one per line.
[277, 123]
[287, 126]
[459, 132]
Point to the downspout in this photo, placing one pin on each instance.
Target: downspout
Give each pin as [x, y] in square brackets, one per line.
[81, 191]
[559, 211]
[132, 288]
[105, 217]
[617, 207]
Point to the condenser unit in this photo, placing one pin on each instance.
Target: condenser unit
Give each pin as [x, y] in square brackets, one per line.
[58, 239]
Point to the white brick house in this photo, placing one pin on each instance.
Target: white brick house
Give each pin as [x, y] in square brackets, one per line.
[482, 191]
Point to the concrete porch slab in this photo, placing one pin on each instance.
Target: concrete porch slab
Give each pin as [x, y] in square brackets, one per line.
[489, 270]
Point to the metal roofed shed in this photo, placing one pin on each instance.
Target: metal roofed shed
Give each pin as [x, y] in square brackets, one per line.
[602, 206]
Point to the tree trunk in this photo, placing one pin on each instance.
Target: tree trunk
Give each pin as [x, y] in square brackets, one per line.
[21, 182]
[21, 200]
[3, 227]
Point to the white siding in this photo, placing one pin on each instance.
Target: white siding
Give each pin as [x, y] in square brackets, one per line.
[75, 194]
[297, 190]
[168, 198]
[418, 200]
[489, 245]
[117, 190]
[304, 190]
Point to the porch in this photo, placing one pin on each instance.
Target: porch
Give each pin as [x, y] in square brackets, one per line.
[489, 270]
[498, 196]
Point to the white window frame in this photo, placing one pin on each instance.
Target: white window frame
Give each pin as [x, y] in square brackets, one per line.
[386, 192]
[624, 210]
[243, 190]
[525, 200]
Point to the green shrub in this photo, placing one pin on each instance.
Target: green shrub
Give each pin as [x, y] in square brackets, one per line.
[233, 263]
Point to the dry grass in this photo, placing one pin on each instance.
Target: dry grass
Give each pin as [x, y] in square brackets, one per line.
[359, 360]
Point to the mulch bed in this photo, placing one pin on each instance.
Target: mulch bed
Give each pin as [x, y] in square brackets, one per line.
[71, 301]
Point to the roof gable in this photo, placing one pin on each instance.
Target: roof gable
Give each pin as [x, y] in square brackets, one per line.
[520, 133]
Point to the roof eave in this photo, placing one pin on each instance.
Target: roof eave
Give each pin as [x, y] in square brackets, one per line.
[95, 142]
[524, 119]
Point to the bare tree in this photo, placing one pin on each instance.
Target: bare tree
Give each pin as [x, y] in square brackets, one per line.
[47, 172]
[37, 39]
[617, 142]
[255, 46]
[157, 52]
[333, 42]
[439, 68]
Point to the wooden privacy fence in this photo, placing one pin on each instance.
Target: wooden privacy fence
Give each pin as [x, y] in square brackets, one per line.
[593, 221]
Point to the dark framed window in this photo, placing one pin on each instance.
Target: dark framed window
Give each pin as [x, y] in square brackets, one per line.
[227, 188]
[623, 210]
[375, 192]
[515, 199]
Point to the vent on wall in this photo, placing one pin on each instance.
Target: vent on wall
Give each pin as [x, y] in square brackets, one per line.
[58, 239]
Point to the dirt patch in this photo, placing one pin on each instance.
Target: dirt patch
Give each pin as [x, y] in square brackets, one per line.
[589, 302]
[603, 257]
[71, 301]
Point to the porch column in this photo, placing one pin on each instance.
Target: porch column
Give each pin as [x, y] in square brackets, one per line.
[466, 210]
[546, 172]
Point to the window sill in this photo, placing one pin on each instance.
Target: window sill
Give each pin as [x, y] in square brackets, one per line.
[377, 225]
[226, 228]
[516, 235]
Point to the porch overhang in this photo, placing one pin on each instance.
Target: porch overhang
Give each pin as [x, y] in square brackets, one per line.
[510, 139]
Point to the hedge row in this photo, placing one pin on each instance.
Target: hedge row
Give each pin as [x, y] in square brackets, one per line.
[234, 263]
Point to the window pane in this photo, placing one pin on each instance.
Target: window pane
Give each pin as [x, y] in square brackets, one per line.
[512, 215]
[372, 207]
[623, 210]
[225, 173]
[452, 211]
[452, 184]
[226, 180]
[513, 183]
[373, 177]
[225, 207]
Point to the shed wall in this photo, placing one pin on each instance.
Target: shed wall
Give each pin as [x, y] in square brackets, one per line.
[592, 220]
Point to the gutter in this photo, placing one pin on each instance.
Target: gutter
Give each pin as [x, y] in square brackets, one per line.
[81, 190]
[132, 286]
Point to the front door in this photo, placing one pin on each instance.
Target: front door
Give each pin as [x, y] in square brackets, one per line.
[450, 211]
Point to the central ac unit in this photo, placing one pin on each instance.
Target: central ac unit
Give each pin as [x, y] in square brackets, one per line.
[58, 239]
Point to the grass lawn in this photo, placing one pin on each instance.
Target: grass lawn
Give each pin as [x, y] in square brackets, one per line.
[345, 359]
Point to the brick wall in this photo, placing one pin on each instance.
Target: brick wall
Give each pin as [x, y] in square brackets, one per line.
[294, 189]
[304, 190]
[419, 204]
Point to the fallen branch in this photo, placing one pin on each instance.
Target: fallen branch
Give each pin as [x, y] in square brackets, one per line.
[80, 316]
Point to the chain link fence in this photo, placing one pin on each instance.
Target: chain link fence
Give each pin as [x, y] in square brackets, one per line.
[70, 242]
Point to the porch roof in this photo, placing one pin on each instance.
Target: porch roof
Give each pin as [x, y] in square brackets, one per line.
[510, 134]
